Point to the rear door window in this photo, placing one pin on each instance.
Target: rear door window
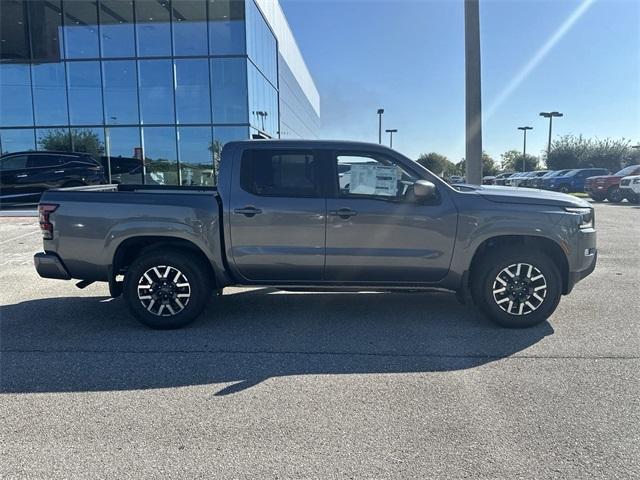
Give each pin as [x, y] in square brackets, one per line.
[280, 173]
[45, 160]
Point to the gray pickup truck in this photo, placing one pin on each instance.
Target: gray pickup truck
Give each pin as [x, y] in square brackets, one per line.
[319, 215]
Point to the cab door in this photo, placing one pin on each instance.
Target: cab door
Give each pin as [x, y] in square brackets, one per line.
[14, 176]
[277, 216]
[377, 231]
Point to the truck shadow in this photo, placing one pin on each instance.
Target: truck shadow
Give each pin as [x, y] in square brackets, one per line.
[80, 344]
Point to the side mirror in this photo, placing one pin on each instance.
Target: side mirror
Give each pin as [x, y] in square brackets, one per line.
[424, 190]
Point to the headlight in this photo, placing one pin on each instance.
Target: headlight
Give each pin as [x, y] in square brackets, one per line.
[586, 214]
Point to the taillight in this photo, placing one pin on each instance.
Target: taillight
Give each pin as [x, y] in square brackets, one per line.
[46, 227]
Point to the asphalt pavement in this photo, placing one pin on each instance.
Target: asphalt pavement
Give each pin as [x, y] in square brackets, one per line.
[320, 385]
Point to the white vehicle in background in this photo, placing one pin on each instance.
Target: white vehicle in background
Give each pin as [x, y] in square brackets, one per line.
[630, 188]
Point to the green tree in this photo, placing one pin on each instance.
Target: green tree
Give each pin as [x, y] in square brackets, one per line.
[489, 166]
[435, 162]
[85, 141]
[512, 161]
[570, 151]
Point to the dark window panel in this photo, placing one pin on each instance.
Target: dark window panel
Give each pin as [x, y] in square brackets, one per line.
[45, 26]
[117, 28]
[120, 92]
[263, 103]
[14, 38]
[192, 91]
[156, 91]
[229, 90]
[189, 27]
[85, 93]
[261, 43]
[226, 27]
[16, 108]
[222, 135]
[49, 94]
[17, 140]
[153, 27]
[123, 154]
[161, 160]
[81, 29]
[195, 152]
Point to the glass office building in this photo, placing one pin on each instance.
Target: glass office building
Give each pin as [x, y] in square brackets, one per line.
[153, 88]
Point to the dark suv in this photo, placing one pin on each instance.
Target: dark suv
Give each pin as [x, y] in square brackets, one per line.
[25, 175]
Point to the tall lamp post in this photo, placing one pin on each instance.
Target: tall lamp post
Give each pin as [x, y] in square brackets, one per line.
[380, 112]
[391, 132]
[550, 116]
[524, 147]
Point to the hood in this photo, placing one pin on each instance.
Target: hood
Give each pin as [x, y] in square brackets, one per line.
[529, 196]
[603, 177]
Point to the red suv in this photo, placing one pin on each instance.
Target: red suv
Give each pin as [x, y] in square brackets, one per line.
[608, 186]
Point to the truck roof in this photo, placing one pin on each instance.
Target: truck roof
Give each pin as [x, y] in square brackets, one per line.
[312, 144]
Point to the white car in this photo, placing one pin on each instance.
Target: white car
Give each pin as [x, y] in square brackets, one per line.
[630, 188]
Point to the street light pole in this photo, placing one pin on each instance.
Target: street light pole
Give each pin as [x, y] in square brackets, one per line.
[380, 112]
[550, 116]
[524, 147]
[473, 92]
[391, 132]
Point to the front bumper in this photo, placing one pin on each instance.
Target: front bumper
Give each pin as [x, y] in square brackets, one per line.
[49, 265]
[583, 261]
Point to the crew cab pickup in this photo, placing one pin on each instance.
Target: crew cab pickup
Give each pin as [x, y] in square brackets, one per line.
[281, 216]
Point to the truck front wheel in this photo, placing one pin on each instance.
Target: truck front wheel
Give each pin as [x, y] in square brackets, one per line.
[516, 288]
[166, 289]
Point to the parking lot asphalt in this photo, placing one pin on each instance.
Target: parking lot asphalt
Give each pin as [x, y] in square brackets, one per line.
[270, 384]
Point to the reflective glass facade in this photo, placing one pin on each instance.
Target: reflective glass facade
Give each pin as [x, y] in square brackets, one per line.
[152, 87]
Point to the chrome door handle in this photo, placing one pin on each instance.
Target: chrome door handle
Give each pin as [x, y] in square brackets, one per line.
[248, 211]
[343, 213]
[58, 171]
[22, 176]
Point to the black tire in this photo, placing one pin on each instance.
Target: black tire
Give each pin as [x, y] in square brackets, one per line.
[598, 198]
[193, 275]
[635, 199]
[485, 284]
[564, 189]
[614, 195]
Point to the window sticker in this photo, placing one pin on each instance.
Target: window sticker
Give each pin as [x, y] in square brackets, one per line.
[368, 179]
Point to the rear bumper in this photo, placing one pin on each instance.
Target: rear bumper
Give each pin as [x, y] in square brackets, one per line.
[49, 265]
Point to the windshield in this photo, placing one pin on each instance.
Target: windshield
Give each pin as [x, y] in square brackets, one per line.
[628, 170]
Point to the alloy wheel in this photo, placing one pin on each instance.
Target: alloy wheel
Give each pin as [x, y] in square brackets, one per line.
[519, 289]
[164, 291]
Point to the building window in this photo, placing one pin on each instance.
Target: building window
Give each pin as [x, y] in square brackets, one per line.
[120, 92]
[229, 90]
[81, 29]
[123, 154]
[156, 91]
[88, 140]
[195, 153]
[16, 108]
[160, 156]
[14, 39]
[190, 28]
[226, 27]
[53, 139]
[49, 94]
[153, 28]
[85, 93]
[116, 28]
[45, 25]
[17, 140]
[192, 91]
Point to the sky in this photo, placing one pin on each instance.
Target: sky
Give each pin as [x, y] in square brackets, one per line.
[581, 58]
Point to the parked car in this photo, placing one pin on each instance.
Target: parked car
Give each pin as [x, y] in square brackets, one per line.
[529, 180]
[543, 182]
[630, 188]
[500, 178]
[488, 179]
[279, 217]
[456, 179]
[608, 186]
[574, 180]
[517, 179]
[24, 176]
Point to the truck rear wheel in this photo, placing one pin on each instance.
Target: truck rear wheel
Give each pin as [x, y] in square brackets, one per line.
[517, 288]
[166, 289]
[614, 195]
